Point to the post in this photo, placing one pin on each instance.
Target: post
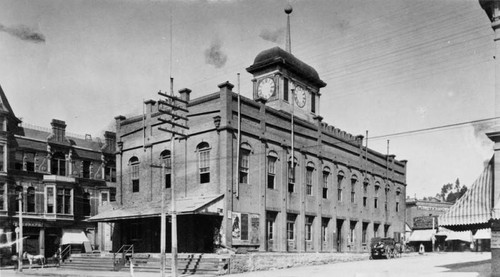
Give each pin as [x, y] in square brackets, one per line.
[162, 222]
[174, 212]
[433, 239]
[20, 239]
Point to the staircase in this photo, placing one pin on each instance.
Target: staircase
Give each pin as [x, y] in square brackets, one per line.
[199, 263]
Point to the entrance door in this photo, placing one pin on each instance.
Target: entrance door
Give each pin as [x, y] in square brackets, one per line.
[340, 235]
[270, 231]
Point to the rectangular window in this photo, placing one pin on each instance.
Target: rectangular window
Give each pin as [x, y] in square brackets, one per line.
[110, 173]
[244, 166]
[313, 103]
[104, 197]
[270, 227]
[290, 226]
[29, 159]
[2, 158]
[50, 195]
[86, 169]
[3, 197]
[365, 201]
[375, 203]
[168, 180]
[325, 184]
[30, 199]
[285, 89]
[244, 226]
[364, 234]
[324, 229]
[309, 227]
[397, 206]
[204, 166]
[63, 201]
[309, 173]
[135, 185]
[271, 172]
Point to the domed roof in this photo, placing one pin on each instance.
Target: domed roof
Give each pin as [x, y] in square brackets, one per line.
[278, 56]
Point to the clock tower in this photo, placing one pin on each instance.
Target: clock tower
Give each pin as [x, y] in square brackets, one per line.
[286, 83]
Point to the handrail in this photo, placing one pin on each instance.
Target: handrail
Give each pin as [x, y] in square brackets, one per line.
[124, 250]
[66, 252]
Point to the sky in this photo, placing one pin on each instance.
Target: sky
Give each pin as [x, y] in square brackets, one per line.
[391, 66]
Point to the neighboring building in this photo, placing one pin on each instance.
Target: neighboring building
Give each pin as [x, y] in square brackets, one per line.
[422, 209]
[62, 178]
[301, 187]
[422, 218]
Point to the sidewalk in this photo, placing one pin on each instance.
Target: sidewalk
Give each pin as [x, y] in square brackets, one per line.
[5, 272]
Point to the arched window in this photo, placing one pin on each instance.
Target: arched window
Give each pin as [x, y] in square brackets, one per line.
[166, 159]
[134, 164]
[354, 180]
[58, 164]
[309, 178]
[340, 179]
[30, 197]
[204, 162]
[326, 176]
[245, 151]
[375, 199]
[272, 157]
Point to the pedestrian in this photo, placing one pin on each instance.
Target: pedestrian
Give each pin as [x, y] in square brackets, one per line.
[421, 249]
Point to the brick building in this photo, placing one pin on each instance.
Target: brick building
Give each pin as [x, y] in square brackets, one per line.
[62, 179]
[264, 173]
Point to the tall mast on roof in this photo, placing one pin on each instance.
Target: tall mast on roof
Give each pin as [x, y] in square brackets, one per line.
[288, 11]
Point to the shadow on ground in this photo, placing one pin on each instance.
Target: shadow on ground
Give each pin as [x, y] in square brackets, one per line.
[483, 268]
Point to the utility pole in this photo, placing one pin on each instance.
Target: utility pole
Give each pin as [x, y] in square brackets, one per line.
[20, 238]
[171, 107]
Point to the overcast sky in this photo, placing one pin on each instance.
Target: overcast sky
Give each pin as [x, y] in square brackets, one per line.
[390, 66]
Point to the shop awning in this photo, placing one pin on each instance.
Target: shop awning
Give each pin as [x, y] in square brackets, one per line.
[73, 236]
[462, 235]
[473, 209]
[422, 235]
[482, 234]
[194, 205]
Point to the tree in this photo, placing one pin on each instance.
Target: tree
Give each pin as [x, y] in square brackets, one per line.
[452, 192]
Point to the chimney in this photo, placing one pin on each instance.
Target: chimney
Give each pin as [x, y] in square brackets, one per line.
[185, 94]
[58, 130]
[149, 106]
[110, 140]
[226, 87]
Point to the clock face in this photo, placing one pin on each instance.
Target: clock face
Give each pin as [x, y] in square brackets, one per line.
[300, 96]
[266, 88]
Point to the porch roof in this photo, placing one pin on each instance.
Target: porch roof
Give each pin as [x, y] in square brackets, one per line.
[192, 205]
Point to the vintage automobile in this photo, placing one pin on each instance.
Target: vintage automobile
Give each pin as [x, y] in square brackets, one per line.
[383, 247]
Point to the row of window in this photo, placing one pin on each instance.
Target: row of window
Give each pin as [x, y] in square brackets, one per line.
[309, 229]
[58, 200]
[25, 160]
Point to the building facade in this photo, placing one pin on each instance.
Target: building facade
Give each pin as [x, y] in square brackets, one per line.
[61, 178]
[264, 173]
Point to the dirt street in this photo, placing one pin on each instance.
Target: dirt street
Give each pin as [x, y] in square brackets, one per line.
[430, 264]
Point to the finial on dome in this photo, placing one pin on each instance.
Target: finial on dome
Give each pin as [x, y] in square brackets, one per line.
[288, 9]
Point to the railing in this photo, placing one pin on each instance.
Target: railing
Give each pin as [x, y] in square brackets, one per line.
[124, 250]
[65, 252]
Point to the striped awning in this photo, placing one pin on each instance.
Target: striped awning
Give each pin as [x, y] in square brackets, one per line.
[473, 209]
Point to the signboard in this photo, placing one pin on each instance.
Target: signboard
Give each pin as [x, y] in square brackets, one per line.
[245, 228]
